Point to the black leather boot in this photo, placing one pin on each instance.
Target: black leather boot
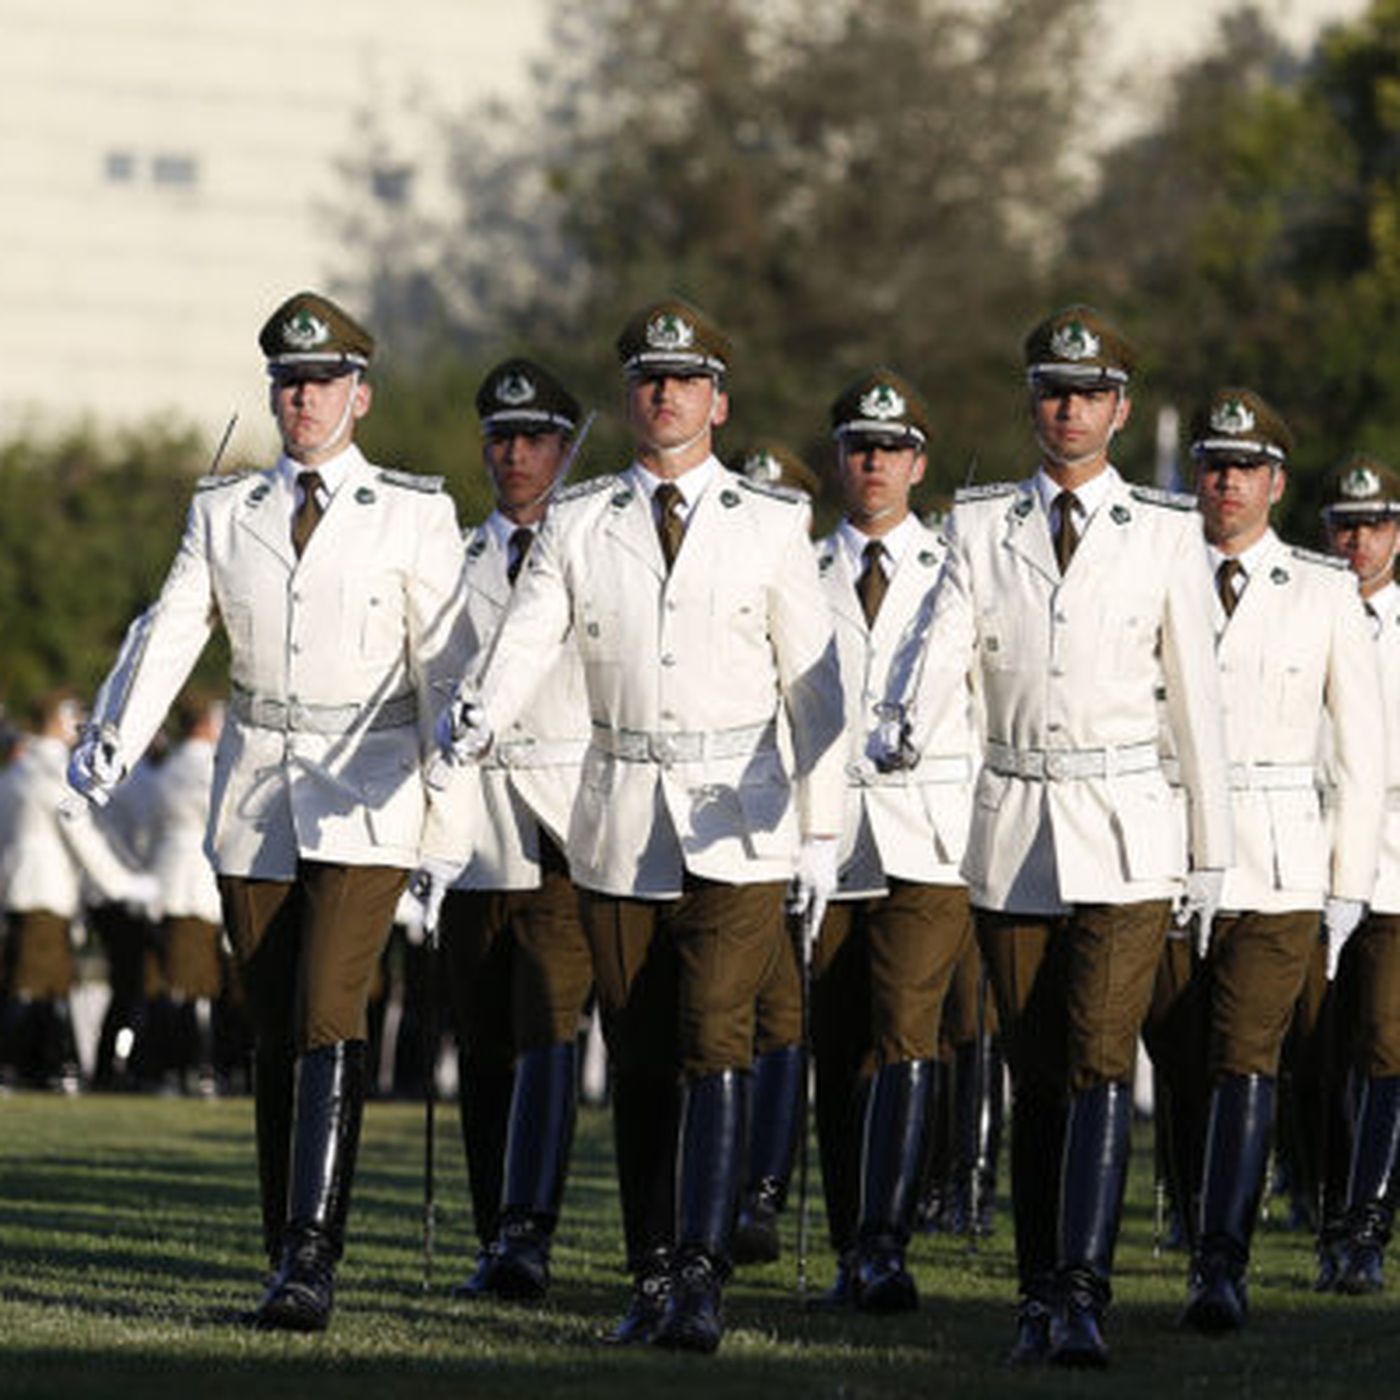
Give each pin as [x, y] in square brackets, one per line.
[646, 1129]
[712, 1155]
[841, 1104]
[272, 1112]
[537, 1161]
[895, 1127]
[1370, 1190]
[330, 1096]
[1236, 1154]
[977, 1122]
[1092, 1178]
[483, 1108]
[773, 1136]
[1037, 1152]
[936, 1206]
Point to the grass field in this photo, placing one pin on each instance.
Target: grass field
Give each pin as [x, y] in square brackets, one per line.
[128, 1245]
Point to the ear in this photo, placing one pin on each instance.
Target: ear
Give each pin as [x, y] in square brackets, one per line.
[364, 396]
[1125, 411]
[1276, 484]
[916, 472]
[719, 409]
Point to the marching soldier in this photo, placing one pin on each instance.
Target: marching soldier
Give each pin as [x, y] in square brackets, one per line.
[780, 1057]
[1072, 597]
[1292, 649]
[46, 860]
[693, 597]
[338, 585]
[1361, 506]
[899, 921]
[517, 961]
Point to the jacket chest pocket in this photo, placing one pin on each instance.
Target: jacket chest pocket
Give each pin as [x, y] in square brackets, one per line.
[998, 640]
[599, 631]
[375, 617]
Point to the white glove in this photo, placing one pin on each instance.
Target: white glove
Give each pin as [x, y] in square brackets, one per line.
[1341, 918]
[893, 742]
[1200, 901]
[813, 884]
[463, 733]
[430, 884]
[142, 896]
[94, 768]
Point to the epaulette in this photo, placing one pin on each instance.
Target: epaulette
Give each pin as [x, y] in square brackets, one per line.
[1311, 556]
[411, 481]
[221, 479]
[988, 491]
[588, 487]
[771, 488]
[1154, 496]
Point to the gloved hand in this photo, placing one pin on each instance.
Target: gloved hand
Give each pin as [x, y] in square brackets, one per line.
[94, 769]
[893, 746]
[463, 733]
[1341, 918]
[430, 884]
[1200, 903]
[141, 897]
[813, 884]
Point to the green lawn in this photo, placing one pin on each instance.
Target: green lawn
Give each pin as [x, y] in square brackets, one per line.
[128, 1245]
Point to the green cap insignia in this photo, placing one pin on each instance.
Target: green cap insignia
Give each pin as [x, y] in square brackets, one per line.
[883, 401]
[1120, 515]
[1074, 341]
[364, 495]
[305, 331]
[1232, 416]
[728, 498]
[1359, 484]
[514, 389]
[668, 331]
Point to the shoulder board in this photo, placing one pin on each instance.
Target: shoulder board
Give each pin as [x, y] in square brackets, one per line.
[1311, 556]
[770, 488]
[411, 481]
[989, 491]
[221, 479]
[590, 486]
[1154, 496]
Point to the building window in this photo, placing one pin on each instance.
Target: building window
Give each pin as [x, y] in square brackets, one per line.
[175, 170]
[119, 167]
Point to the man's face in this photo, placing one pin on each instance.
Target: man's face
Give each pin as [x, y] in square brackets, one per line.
[1368, 545]
[1075, 425]
[876, 478]
[1235, 496]
[523, 466]
[666, 412]
[317, 417]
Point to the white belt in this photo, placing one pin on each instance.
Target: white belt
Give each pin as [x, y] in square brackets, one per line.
[950, 768]
[1270, 776]
[537, 753]
[296, 717]
[683, 746]
[1057, 765]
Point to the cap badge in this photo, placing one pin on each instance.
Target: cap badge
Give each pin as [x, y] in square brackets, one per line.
[763, 466]
[305, 331]
[882, 402]
[668, 331]
[1360, 483]
[514, 389]
[1232, 416]
[1074, 341]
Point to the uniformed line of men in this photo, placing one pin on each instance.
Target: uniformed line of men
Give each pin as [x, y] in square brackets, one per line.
[667, 718]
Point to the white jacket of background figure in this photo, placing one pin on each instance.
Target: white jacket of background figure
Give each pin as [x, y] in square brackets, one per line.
[182, 785]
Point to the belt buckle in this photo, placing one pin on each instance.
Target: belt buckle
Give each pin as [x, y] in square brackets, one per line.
[1056, 766]
[664, 749]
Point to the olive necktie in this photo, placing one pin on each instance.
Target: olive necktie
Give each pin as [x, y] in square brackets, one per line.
[308, 513]
[1225, 576]
[872, 585]
[520, 541]
[1066, 533]
[670, 528]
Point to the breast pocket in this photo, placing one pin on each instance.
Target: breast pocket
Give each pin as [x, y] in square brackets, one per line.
[997, 640]
[376, 618]
[599, 631]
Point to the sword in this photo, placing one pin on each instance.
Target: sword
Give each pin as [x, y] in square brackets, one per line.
[431, 1033]
[223, 443]
[807, 932]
